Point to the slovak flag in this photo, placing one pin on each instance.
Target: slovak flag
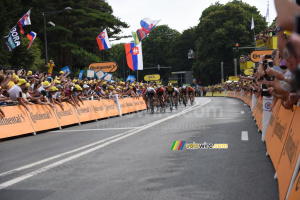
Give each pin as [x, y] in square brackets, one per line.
[134, 56]
[25, 20]
[102, 40]
[31, 36]
[148, 24]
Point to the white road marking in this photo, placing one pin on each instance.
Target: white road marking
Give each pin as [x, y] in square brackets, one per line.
[99, 129]
[222, 118]
[245, 136]
[122, 136]
[242, 112]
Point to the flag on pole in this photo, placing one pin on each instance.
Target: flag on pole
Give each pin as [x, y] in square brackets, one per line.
[267, 14]
[134, 56]
[252, 23]
[147, 26]
[31, 36]
[25, 20]
[102, 40]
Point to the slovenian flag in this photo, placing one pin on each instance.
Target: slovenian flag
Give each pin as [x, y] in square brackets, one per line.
[31, 36]
[147, 26]
[102, 40]
[25, 20]
[134, 56]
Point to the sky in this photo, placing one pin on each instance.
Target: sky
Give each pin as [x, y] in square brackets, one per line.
[177, 14]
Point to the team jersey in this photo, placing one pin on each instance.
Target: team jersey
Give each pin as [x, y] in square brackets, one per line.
[161, 90]
[170, 89]
[190, 89]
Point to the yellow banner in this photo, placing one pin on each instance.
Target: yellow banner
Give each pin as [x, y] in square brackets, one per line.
[152, 77]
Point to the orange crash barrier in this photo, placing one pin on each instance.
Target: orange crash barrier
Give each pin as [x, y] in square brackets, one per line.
[17, 121]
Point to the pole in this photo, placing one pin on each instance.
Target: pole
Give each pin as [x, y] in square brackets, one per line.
[222, 73]
[235, 67]
[45, 40]
[137, 75]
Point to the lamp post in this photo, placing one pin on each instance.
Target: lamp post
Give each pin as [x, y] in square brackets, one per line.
[45, 34]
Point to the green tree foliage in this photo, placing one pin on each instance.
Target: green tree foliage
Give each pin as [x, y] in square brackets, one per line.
[156, 50]
[72, 41]
[220, 28]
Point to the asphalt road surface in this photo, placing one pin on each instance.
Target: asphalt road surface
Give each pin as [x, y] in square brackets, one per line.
[130, 157]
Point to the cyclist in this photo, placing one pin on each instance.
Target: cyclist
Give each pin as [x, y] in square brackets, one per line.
[176, 95]
[184, 93]
[191, 93]
[150, 92]
[170, 92]
[160, 91]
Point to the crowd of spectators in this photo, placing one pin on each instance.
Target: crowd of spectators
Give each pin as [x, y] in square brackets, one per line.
[245, 58]
[27, 88]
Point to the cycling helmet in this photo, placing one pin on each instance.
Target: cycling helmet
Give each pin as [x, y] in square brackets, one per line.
[184, 87]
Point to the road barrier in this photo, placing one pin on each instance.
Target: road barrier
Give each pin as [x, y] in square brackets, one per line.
[17, 121]
[281, 132]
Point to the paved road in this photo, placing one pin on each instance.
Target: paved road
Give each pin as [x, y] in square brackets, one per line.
[129, 157]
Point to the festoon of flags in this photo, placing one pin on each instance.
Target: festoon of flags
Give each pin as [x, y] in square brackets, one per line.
[147, 26]
[103, 40]
[134, 56]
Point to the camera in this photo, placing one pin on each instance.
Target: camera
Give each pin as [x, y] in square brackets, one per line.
[268, 56]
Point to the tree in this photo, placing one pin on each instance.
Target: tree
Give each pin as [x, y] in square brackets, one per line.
[156, 49]
[220, 27]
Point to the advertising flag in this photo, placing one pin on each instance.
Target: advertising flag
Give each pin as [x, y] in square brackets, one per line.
[13, 39]
[102, 40]
[134, 56]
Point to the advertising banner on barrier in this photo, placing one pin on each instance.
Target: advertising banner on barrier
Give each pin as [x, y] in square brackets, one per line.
[273, 118]
[130, 105]
[98, 109]
[124, 108]
[142, 103]
[278, 138]
[267, 104]
[84, 112]
[290, 152]
[67, 116]
[42, 117]
[110, 107]
[136, 103]
[116, 100]
[15, 122]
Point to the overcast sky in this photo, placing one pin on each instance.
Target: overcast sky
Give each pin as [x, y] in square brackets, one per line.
[178, 15]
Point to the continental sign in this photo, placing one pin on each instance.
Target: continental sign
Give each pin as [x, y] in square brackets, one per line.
[12, 120]
[152, 77]
[256, 54]
[104, 66]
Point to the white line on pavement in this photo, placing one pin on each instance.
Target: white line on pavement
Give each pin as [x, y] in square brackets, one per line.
[99, 129]
[245, 136]
[242, 112]
[122, 136]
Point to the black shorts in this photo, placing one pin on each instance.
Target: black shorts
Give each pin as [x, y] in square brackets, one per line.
[170, 93]
[160, 94]
[150, 95]
[190, 92]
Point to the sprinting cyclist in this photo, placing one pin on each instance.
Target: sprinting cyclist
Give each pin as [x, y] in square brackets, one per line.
[184, 93]
[150, 92]
[170, 92]
[191, 93]
[160, 91]
[176, 95]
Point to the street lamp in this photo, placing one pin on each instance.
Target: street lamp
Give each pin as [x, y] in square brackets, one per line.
[45, 35]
